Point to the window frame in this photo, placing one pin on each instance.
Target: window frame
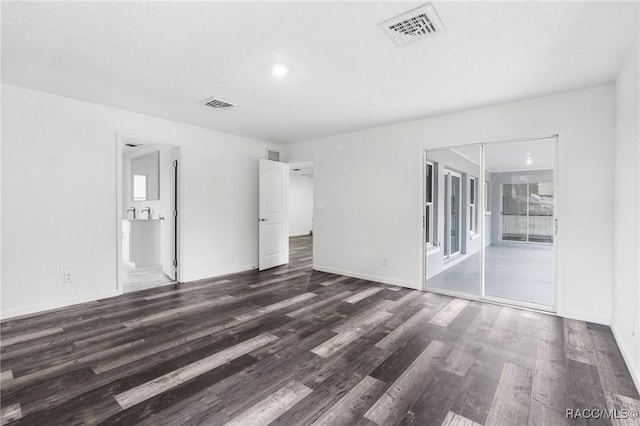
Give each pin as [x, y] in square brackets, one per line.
[473, 206]
[487, 197]
[429, 206]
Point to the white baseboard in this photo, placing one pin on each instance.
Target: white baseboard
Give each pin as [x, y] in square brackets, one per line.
[585, 316]
[41, 308]
[368, 277]
[626, 354]
[243, 268]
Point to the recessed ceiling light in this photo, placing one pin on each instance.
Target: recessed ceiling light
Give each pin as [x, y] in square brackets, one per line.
[280, 70]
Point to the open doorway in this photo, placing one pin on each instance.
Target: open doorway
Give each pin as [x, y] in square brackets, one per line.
[147, 214]
[301, 210]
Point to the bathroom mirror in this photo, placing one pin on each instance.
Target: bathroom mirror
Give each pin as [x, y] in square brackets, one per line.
[145, 177]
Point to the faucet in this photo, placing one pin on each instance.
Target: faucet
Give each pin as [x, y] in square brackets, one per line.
[148, 210]
[132, 209]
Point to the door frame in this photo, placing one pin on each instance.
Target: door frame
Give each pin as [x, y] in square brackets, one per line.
[558, 214]
[178, 242]
[290, 161]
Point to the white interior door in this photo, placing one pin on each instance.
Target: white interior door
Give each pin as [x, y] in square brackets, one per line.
[272, 214]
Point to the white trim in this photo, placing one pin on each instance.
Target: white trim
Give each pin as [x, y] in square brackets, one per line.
[587, 317]
[433, 250]
[368, 277]
[466, 157]
[519, 303]
[521, 170]
[626, 355]
[237, 270]
[44, 307]
[482, 218]
[453, 293]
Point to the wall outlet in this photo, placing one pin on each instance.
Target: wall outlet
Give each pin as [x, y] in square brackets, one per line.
[233, 254]
[66, 277]
[384, 261]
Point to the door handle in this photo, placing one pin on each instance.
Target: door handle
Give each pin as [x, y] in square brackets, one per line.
[262, 219]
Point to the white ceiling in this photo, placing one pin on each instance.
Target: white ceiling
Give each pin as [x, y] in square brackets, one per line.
[162, 58]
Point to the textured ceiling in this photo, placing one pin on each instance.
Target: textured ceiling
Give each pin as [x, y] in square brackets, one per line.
[163, 58]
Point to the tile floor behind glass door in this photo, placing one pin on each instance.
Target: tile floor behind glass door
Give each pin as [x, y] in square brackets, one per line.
[516, 273]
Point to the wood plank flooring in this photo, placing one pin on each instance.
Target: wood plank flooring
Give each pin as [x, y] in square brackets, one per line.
[292, 346]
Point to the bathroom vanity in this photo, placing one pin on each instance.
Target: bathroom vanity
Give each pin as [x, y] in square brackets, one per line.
[141, 242]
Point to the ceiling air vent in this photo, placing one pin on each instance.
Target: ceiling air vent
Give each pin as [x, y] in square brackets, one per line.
[216, 103]
[413, 25]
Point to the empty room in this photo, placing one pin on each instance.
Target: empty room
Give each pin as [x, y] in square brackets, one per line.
[320, 213]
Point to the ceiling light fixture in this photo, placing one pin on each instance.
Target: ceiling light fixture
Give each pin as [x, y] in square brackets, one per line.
[280, 70]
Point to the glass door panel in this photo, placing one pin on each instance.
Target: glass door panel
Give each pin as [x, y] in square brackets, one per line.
[519, 239]
[514, 212]
[452, 250]
[540, 213]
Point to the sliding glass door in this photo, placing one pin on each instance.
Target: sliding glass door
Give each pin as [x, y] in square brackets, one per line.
[490, 222]
[519, 259]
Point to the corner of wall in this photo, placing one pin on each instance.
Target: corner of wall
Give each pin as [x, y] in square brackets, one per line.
[626, 354]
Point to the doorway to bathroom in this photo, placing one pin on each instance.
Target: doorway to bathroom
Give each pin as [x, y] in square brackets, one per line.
[147, 225]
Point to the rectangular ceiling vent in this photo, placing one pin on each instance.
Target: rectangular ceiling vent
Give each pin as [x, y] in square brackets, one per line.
[413, 25]
[216, 103]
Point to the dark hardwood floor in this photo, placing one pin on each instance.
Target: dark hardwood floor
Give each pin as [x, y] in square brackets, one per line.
[295, 346]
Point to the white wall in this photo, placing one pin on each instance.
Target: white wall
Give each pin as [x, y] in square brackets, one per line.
[300, 205]
[626, 237]
[59, 198]
[368, 193]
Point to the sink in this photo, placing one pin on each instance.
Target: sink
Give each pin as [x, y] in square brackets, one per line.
[141, 242]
